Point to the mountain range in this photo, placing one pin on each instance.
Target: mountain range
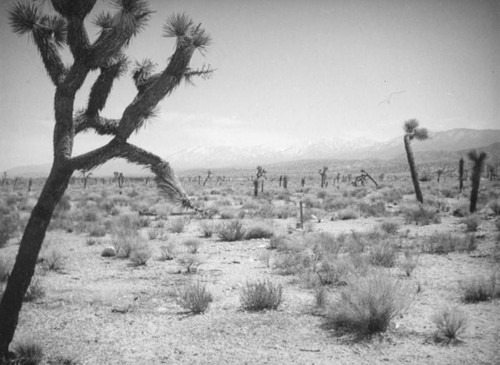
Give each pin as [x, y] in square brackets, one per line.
[339, 148]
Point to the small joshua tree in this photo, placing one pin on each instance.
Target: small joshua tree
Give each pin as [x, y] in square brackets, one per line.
[119, 178]
[461, 174]
[85, 175]
[104, 55]
[259, 178]
[209, 177]
[478, 160]
[420, 134]
[285, 181]
[322, 173]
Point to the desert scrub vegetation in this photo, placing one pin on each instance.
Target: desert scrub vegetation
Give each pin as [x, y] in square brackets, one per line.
[383, 253]
[258, 230]
[208, 228]
[8, 226]
[140, 254]
[478, 288]
[389, 227]
[26, 352]
[195, 298]
[192, 244]
[261, 295]
[176, 224]
[471, 222]
[168, 251]
[443, 243]
[421, 215]
[51, 258]
[231, 231]
[190, 262]
[6, 264]
[409, 262]
[368, 304]
[36, 290]
[451, 324]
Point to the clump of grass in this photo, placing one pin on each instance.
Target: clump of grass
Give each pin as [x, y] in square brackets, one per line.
[176, 225]
[478, 288]
[97, 230]
[27, 352]
[333, 272]
[348, 213]
[154, 233]
[471, 222]
[258, 230]
[194, 298]
[261, 295]
[389, 227]
[409, 262]
[383, 253]
[35, 290]
[369, 303]
[320, 296]
[443, 243]
[190, 262]
[5, 268]
[140, 254]
[52, 259]
[8, 226]
[231, 231]
[168, 251]
[421, 215]
[192, 245]
[207, 229]
[451, 324]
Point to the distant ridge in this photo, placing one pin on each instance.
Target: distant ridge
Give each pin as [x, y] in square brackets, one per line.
[441, 146]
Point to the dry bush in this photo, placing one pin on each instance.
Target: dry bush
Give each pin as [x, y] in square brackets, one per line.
[168, 251]
[451, 324]
[383, 253]
[389, 227]
[8, 226]
[176, 225]
[195, 298]
[231, 231]
[52, 259]
[258, 230]
[494, 205]
[140, 254]
[27, 352]
[478, 288]
[443, 243]
[369, 303]
[421, 215]
[334, 271]
[35, 291]
[6, 264]
[261, 295]
[190, 262]
[347, 213]
[471, 222]
[208, 228]
[409, 262]
[192, 244]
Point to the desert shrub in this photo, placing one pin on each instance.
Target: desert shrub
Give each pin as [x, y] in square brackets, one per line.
[90, 241]
[495, 206]
[324, 244]
[478, 289]
[258, 230]
[261, 295]
[369, 303]
[62, 207]
[278, 242]
[140, 254]
[333, 272]
[421, 215]
[192, 244]
[5, 268]
[35, 291]
[471, 222]
[231, 231]
[227, 213]
[383, 253]
[443, 243]
[451, 323]
[372, 210]
[207, 229]
[97, 230]
[194, 298]
[124, 245]
[389, 227]
[168, 251]
[8, 226]
[27, 352]
[52, 259]
[391, 195]
[190, 262]
[409, 262]
[154, 233]
[292, 262]
[320, 296]
[176, 225]
[348, 213]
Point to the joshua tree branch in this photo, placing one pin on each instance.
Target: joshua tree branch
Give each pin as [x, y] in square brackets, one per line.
[50, 56]
[102, 126]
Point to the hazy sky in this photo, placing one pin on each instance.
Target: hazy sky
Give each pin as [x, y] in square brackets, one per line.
[288, 72]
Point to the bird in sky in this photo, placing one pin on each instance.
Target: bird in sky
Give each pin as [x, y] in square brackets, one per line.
[388, 99]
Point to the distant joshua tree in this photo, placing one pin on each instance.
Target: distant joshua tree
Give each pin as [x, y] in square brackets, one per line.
[120, 179]
[209, 177]
[85, 175]
[104, 55]
[461, 174]
[420, 134]
[259, 178]
[478, 160]
[322, 173]
[285, 181]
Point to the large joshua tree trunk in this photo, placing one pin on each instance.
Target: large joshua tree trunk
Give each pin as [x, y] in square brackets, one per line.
[105, 55]
[413, 169]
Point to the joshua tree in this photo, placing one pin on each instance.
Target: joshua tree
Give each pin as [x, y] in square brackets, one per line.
[209, 177]
[105, 55]
[259, 177]
[461, 174]
[120, 179]
[413, 132]
[5, 179]
[478, 160]
[323, 175]
[85, 175]
[285, 181]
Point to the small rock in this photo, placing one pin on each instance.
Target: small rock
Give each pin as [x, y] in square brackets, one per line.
[108, 252]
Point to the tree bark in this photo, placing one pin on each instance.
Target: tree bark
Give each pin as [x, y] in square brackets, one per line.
[24, 267]
[413, 170]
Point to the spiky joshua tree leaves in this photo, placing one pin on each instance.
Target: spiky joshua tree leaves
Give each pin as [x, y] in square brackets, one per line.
[420, 134]
[104, 55]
